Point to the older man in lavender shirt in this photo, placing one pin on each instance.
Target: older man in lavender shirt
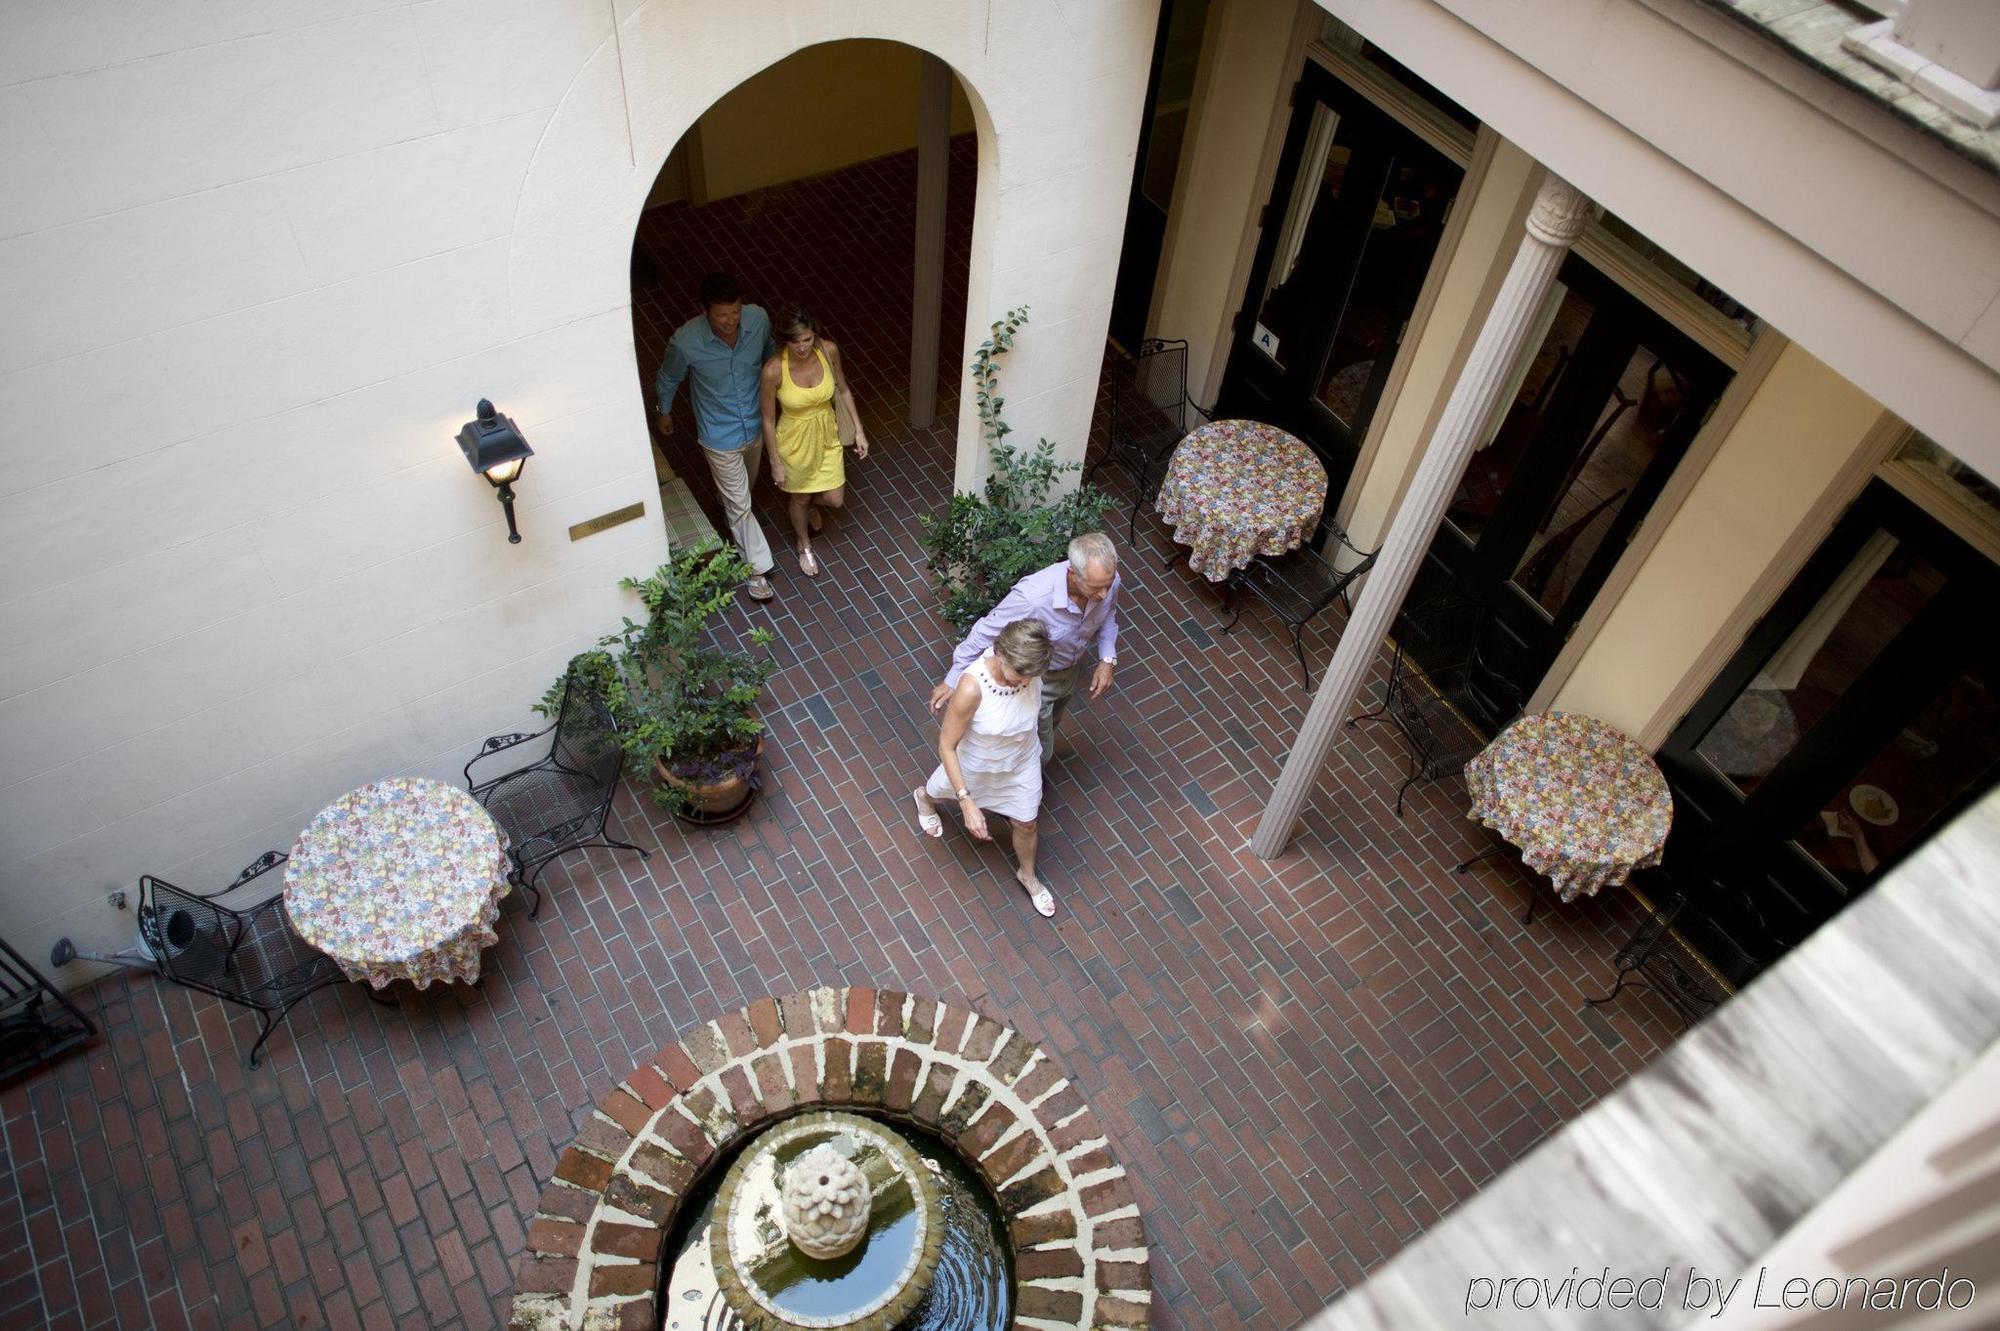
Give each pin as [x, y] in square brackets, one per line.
[1078, 600]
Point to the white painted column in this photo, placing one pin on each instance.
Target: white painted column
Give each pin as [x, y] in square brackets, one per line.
[1557, 219]
[927, 296]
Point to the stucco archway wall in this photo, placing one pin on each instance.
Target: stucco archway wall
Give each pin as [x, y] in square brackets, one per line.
[1056, 91]
[596, 1248]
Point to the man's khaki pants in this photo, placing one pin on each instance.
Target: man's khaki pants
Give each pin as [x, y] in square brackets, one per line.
[1058, 687]
[735, 470]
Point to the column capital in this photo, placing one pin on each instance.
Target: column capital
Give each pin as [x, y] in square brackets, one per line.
[1560, 213]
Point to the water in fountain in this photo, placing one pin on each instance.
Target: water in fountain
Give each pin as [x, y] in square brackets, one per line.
[969, 1292]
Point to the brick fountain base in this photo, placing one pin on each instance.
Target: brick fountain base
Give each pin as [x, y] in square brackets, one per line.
[599, 1232]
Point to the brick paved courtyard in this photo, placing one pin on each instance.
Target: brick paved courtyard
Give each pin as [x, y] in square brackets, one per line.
[1302, 1063]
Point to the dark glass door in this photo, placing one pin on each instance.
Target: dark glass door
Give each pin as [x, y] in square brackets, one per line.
[1601, 413]
[1859, 716]
[1352, 226]
[1176, 53]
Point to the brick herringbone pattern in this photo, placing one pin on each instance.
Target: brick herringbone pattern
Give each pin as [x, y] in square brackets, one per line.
[1302, 1063]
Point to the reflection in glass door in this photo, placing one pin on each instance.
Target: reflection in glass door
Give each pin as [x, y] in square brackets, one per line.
[1353, 224]
[1598, 415]
[1861, 714]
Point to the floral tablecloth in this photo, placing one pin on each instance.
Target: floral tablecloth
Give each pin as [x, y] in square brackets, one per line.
[399, 880]
[1585, 804]
[1238, 489]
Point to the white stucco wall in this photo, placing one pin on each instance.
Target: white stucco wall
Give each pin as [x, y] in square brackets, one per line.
[257, 263]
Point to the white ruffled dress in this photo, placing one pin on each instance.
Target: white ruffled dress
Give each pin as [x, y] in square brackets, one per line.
[1001, 754]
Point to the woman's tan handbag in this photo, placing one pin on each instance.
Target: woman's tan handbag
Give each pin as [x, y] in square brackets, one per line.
[843, 422]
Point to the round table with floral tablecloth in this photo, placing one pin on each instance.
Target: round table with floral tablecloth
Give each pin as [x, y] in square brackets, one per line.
[1238, 489]
[399, 880]
[1583, 802]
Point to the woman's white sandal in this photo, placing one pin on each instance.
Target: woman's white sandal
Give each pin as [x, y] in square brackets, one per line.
[1043, 899]
[928, 819]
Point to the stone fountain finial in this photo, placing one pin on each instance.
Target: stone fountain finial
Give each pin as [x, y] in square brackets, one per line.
[825, 1202]
[814, 1188]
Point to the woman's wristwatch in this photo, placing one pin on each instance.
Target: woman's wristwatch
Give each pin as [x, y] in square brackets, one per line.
[963, 793]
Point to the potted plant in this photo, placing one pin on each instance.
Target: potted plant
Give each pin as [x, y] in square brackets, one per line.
[983, 544]
[685, 705]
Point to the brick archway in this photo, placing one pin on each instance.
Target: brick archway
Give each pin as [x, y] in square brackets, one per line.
[598, 1236]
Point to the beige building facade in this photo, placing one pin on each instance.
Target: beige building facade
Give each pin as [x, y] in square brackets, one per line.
[245, 568]
[1805, 276]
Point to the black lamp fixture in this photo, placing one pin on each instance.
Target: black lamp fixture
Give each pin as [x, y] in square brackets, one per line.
[496, 450]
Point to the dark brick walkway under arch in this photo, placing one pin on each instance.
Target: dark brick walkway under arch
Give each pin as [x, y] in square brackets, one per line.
[1302, 1064]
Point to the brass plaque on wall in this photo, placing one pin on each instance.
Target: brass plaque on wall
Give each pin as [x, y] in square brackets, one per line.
[606, 521]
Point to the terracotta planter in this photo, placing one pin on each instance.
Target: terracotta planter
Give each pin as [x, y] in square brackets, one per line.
[709, 802]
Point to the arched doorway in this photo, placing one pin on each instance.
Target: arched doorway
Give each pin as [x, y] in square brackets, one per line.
[1047, 221]
[841, 179]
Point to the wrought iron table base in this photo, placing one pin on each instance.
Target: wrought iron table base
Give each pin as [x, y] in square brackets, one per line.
[1648, 960]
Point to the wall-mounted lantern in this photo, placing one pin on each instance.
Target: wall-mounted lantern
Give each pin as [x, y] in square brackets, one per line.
[496, 451]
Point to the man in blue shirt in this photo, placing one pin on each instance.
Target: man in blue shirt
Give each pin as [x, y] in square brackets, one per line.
[721, 355]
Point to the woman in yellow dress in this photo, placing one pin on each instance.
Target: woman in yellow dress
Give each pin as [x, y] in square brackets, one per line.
[804, 442]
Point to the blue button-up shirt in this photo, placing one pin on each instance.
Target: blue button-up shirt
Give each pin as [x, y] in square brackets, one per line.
[1073, 629]
[723, 381]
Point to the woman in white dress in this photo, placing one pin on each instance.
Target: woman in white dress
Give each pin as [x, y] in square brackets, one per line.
[990, 749]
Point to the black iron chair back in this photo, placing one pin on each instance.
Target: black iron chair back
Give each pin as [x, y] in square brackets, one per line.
[586, 740]
[246, 954]
[560, 802]
[1150, 412]
[1299, 586]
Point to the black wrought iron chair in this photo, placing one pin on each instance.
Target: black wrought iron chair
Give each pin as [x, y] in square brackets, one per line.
[1448, 709]
[1656, 957]
[561, 801]
[1298, 587]
[245, 954]
[1150, 412]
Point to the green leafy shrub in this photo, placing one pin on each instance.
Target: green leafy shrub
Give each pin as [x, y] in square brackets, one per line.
[679, 698]
[983, 544]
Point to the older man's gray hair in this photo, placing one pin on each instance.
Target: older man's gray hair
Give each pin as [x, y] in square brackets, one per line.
[1093, 549]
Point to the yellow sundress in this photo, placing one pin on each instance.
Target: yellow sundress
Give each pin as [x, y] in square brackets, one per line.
[808, 435]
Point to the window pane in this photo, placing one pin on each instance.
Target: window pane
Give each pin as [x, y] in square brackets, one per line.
[1306, 245]
[1873, 600]
[1674, 270]
[1559, 328]
[1338, 36]
[1409, 219]
[1977, 498]
[1645, 405]
[1948, 750]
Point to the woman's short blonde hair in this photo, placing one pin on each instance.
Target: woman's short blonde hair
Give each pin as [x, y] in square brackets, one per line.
[1024, 645]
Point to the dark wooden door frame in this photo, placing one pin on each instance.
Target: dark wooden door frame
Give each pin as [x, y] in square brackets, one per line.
[1723, 837]
[1287, 396]
[1525, 638]
[1145, 221]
